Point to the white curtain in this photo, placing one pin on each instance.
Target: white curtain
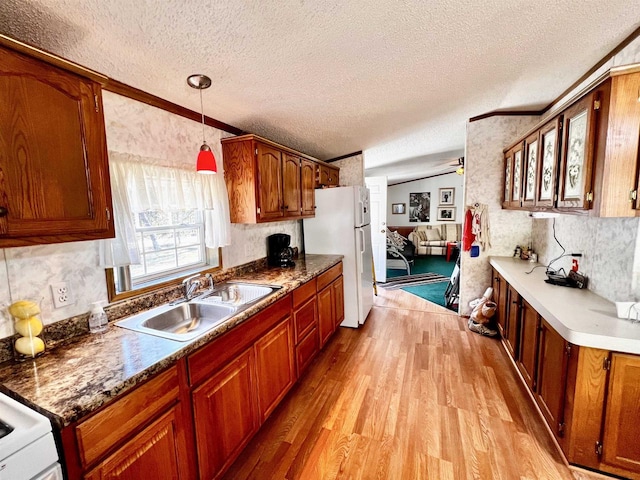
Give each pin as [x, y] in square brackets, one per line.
[137, 185]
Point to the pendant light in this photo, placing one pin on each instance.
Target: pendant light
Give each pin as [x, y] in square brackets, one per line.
[206, 162]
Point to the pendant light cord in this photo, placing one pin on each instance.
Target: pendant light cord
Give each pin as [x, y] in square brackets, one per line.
[202, 112]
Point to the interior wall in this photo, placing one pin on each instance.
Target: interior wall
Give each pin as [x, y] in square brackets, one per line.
[131, 126]
[351, 170]
[608, 245]
[483, 180]
[400, 194]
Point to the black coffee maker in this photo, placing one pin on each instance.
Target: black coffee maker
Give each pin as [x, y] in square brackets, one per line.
[279, 253]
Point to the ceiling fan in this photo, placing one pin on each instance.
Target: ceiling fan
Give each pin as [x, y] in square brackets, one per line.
[460, 164]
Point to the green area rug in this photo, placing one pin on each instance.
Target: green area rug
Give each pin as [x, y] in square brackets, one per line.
[428, 264]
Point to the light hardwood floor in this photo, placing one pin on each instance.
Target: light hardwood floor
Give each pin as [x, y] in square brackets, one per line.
[411, 395]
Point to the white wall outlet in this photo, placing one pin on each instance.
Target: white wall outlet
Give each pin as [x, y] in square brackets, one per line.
[62, 295]
[247, 250]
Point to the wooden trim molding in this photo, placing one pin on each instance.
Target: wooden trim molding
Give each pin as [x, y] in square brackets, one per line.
[593, 69]
[51, 59]
[506, 113]
[342, 157]
[134, 93]
[423, 178]
[635, 34]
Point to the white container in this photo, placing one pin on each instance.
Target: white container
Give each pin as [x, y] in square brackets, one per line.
[628, 310]
[98, 321]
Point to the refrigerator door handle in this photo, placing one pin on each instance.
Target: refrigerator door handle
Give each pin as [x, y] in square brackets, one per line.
[362, 248]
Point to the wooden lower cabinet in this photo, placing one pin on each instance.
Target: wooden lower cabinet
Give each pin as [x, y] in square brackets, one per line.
[621, 438]
[552, 376]
[193, 420]
[500, 296]
[528, 344]
[513, 321]
[326, 317]
[590, 398]
[153, 453]
[144, 434]
[305, 324]
[225, 415]
[275, 370]
[338, 300]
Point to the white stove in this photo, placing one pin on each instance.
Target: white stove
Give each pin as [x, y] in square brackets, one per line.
[27, 448]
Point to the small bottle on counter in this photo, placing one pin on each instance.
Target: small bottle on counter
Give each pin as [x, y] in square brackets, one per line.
[98, 321]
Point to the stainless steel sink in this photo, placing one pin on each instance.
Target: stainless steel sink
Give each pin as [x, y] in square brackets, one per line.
[236, 293]
[186, 321]
[181, 322]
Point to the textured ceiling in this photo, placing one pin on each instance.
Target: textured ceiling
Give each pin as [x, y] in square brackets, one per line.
[397, 79]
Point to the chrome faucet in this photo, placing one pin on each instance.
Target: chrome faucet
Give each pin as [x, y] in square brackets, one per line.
[209, 277]
[190, 285]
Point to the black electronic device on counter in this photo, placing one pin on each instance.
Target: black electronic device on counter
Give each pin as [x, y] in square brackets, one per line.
[279, 253]
[573, 280]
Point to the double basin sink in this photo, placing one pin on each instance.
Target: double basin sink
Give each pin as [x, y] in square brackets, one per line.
[188, 320]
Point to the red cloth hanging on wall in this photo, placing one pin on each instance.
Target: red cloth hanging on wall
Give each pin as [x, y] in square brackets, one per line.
[467, 235]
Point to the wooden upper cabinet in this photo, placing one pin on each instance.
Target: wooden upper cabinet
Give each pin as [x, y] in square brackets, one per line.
[530, 170]
[621, 448]
[291, 181]
[514, 166]
[54, 174]
[267, 182]
[548, 167]
[308, 183]
[270, 181]
[328, 176]
[508, 178]
[575, 188]
[587, 156]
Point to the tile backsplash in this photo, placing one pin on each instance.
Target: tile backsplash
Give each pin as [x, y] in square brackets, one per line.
[610, 246]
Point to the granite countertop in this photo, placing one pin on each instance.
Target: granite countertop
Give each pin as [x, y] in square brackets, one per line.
[70, 381]
[579, 316]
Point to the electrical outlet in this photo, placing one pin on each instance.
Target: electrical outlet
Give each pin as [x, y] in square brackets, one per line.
[247, 250]
[62, 295]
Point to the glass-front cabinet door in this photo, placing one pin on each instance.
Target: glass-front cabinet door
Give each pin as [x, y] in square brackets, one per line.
[530, 170]
[516, 177]
[576, 163]
[508, 168]
[548, 170]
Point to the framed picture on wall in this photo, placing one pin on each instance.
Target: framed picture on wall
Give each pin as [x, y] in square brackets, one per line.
[398, 208]
[446, 214]
[419, 207]
[446, 196]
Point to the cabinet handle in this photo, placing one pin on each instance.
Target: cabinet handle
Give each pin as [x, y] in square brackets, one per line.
[3, 211]
[108, 214]
[633, 195]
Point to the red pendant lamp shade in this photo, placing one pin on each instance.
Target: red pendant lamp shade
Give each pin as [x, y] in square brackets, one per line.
[206, 162]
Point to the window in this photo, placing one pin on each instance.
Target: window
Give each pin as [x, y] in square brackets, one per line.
[169, 243]
[169, 223]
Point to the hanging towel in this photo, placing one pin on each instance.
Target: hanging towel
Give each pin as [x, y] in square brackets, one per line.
[467, 235]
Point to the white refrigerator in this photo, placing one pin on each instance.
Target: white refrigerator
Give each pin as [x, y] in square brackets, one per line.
[342, 227]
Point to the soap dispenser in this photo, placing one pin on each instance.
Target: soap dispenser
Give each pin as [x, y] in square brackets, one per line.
[98, 321]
